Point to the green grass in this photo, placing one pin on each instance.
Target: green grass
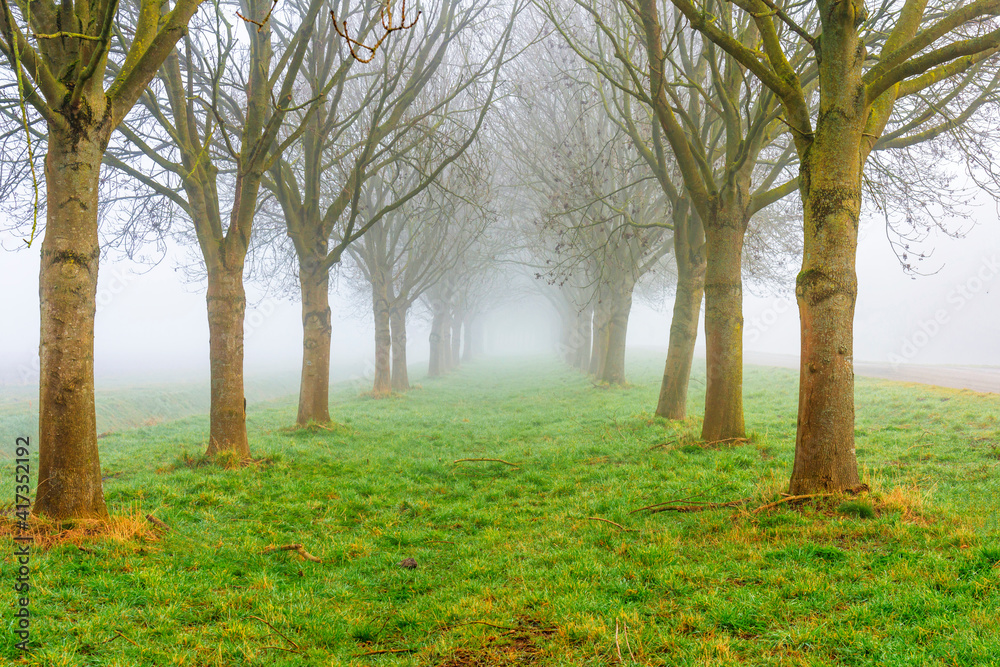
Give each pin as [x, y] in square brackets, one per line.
[510, 568]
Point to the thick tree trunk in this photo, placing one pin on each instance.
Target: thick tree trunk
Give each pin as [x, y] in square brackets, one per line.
[314, 387]
[613, 367]
[434, 367]
[827, 287]
[724, 329]
[69, 470]
[689, 244]
[397, 322]
[226, 310]
[445, 349]
[383, 337]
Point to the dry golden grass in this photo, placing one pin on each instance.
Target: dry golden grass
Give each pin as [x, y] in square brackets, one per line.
[130, 526]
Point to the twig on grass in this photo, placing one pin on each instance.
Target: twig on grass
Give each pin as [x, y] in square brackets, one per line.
[117, 635]
[513, 465]
[618, 646]
[276, 631]
[788, 499]
[385, 650]
[156, 522]
[693, 506]
[617, 525]
[294, 547]
[662, 444]
[281, 648]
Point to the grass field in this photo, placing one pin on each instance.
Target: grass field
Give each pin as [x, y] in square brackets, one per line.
[512, 566]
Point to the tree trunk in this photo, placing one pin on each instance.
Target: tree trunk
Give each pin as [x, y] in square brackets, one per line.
[397, 322]
[724, 329]
[226, 310]
[314, 387]
[600, 339]
[689, 243]
[383, 336]
[434, 368]
[827, 287]
[613, 367]
[69, 468]
[445, 349]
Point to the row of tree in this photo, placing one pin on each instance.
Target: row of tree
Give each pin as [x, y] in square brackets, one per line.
[603, 145]
[732, 107]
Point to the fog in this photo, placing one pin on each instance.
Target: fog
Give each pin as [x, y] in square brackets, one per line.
[152, 325]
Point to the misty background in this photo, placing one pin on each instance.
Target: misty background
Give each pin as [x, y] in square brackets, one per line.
[151, 323]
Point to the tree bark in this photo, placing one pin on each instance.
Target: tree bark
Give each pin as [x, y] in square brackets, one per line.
[599, 342]
[613, 367]
[826, 289]
[434, 368]
[226, 310]
[314, 387]
[724, 328]
[69, 468]
[445, 349]
[383, 336]
[397, 322]
[689, 251]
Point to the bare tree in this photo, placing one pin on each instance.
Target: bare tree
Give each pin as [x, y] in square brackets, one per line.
[214, 120]
[414, 247]
[366, 122]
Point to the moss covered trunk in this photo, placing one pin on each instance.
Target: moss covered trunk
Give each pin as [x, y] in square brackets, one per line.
[689, 253]
[599, 339]
[314, 386]
[434, 365]
[826, 289]
[397, 324]
[724, 328]
[226, 310]
[383, 335]
[69, 469]
[613, 367]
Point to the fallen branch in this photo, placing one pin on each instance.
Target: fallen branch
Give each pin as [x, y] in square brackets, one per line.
[117, 635]
[294, 547]
[281, 648]
[385, 650]
[662, 444]
[693, 506]
[156, 522]
[788, 499]
[724, 440]
[276, 631]
[617, 525]
[513, 465]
